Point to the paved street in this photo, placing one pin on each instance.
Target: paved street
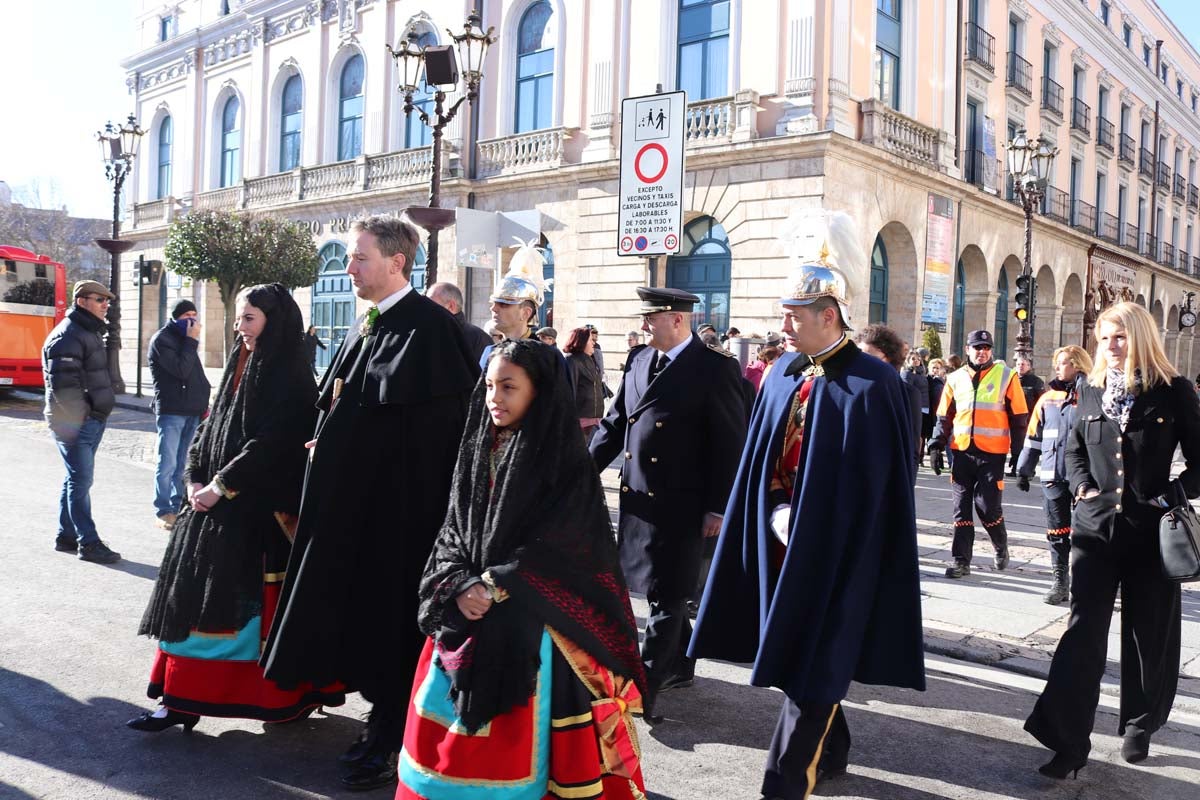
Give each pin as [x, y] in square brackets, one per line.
[72, 671]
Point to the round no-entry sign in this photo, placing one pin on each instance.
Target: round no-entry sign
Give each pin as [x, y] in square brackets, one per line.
[650, 163]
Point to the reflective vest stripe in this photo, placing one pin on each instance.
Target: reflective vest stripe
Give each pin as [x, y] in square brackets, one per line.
[981, 414]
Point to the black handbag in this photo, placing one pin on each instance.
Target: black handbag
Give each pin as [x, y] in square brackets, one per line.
[1179, 538]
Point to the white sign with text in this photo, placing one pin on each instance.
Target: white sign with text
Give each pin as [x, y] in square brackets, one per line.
[650, 216]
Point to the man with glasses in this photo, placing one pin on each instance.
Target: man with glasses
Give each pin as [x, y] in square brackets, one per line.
[676, 426]
[79, 398]
[982, 414]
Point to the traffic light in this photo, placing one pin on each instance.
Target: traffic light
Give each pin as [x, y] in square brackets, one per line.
[146, 273]
[1025, 290]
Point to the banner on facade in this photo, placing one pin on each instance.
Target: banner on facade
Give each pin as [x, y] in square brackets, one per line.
[1113, 282]
[650, 214]
[939, 257]
[991, 166]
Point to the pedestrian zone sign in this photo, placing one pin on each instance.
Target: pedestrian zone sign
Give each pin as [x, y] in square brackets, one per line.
[650, 217]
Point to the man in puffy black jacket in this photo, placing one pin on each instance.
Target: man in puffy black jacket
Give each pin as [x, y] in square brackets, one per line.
[79, 398]
[181, 392]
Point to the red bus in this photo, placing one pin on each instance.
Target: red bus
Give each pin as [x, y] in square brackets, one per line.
[33, 299]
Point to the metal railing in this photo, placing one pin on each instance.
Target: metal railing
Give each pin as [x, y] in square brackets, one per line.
[1149, 246]
[1196, 265]
[1146, 163]
[1080, 114]
[1109, 228]
[1128, 148]
[889, 130]
[1104, 134]
[1083, 216]
[1132, 235]
[1020, 74]
[1164, 175]
[981, 47]
[1052, 97]
[1180, 188]
[1185, 261]
[1056, 205]
[1193, 200]
[975, 168]
[1167, 258]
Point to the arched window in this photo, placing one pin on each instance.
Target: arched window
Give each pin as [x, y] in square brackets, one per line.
[877, 312]
[332, 301]
[164, 159]
[546, 312]
[704, 271]
[417, 133]
[350, 109]
[960, 310]
[291, 112]
[417, 278]
[703, 69]
[535, 68]
[231, 143]
[1000, 335]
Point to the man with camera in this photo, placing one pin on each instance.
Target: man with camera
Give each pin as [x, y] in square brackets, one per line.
[181, 392]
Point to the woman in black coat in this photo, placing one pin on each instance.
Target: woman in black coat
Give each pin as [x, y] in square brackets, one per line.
[1133, 412]
[587, 379]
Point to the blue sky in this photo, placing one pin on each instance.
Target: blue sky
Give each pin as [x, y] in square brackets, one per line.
[62, 81]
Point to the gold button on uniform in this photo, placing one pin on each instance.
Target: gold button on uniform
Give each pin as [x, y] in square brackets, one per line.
[653, 460]
[658, 424]
[1119, 490]
[632, 420]
[1160, 419]
[628, 455]
[1118, 506]
[624, 488]
[1120, 472]
[650, 494]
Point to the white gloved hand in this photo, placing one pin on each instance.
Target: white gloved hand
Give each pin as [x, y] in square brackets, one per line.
[781, 522]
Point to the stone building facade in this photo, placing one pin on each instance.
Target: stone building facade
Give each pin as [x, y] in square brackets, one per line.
[895, 111]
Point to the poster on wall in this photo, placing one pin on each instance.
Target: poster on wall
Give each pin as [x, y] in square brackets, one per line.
[939, 258]
[991, 167]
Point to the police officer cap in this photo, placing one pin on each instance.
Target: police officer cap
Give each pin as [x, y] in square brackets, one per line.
[980, 337]
[655, 299]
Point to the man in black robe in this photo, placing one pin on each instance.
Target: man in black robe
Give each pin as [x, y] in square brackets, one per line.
[391, 406]
[449, 297]
[815, 577]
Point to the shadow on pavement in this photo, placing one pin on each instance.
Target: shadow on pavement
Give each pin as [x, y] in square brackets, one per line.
[136, 569]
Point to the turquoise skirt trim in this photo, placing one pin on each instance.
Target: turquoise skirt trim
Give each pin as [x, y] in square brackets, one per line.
[244, 646]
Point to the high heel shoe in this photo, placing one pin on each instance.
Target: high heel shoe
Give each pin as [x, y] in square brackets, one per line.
[1062, 765]
[1136, 745]
[151, 724]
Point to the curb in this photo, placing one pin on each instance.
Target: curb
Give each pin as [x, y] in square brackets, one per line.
[125, 401]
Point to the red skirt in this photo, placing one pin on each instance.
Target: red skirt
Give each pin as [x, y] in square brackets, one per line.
[217, 675]
[574, 738]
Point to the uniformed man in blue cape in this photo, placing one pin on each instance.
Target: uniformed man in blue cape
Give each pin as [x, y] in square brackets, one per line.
[815, 576]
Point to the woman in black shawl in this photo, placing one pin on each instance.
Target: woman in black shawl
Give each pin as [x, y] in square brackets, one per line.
[526, 609]
[220, 576]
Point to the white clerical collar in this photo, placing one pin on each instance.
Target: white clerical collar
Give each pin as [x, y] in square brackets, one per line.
[815, 356]
[392, 299]
[674, 352]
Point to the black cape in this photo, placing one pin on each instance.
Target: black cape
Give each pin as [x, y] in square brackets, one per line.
[846, 603]
[374, 498]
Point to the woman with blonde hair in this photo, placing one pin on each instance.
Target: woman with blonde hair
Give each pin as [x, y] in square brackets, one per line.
[1045, 456]
[1133, 412]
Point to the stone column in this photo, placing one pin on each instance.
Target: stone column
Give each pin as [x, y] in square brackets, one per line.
[838, 119]
[799, 84]
[1072, 327]
[979, 311]
[1046, 337]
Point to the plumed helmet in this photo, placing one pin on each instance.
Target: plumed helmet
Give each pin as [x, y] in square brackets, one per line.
[827, 259]
[523, 281]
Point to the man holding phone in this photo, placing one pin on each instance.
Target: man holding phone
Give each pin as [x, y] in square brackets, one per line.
[181, 392]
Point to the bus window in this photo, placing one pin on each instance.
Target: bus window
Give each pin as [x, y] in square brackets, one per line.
[39, 271]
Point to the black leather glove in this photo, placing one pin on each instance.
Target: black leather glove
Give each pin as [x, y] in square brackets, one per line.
[1023, 483]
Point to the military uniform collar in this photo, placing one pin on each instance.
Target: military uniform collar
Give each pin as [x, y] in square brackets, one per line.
[832, 361]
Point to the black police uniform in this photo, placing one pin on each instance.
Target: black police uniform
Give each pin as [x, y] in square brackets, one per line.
[678, 436]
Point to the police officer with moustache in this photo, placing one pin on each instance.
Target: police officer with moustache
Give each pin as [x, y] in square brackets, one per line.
[677, 426]
[981, 413]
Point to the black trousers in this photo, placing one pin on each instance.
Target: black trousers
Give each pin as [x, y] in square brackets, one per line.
[977, 476]
[1056, 499]
[668, 632]
[1064, 715]
[808, 737]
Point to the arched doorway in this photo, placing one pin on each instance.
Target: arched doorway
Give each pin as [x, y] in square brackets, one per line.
[877, 312]
[546, 312]
[704, 271]
[958, 338]
[333, 301]
[417, 279]
[1000, 334]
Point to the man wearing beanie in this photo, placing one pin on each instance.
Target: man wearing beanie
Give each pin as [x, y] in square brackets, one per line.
[181, 392]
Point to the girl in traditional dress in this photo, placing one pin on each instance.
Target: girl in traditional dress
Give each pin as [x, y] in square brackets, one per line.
[527, 684]
[220, 576]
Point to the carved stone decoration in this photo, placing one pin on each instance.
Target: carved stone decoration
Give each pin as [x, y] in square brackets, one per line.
[419, 21]
[1079, 58]
[1127, 97]
[1105, 78]
[1018, 8]
[162, 107]
[289, 65]
[131, 82]
[1051, 34]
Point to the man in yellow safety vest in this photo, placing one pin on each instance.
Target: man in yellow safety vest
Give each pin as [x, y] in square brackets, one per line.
[981, 412]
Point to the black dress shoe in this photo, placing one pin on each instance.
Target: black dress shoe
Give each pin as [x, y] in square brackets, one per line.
[66, 544]
[149, 723]
[825, 773]
[1000, 560]
[1062, 765]
[1135, 746]
[677, 682]
[360, 749]
[370, 772]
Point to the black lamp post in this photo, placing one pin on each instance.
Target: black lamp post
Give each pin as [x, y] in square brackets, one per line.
[1030, 163]
[118, 148]
[440, 69]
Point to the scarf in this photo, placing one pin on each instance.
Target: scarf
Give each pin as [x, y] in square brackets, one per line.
[529, 515]
[1117, 399]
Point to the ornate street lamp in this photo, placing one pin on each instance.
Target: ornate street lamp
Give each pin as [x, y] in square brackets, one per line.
[118, 148]
[440, 68]
[1030, 163]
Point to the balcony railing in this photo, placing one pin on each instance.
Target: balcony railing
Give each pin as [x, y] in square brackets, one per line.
[1083, 216]
[1164, 176]
[525, 152]
[1080, 115]
[218, 200]
[1052, 97]
[155, 212]
[709, 121]
[1196, 265]
[1056, 205]
[1193, 197]
[1146, 163]
[1149, 245]
[1180, 189]
[1130, 241]
[981, 47]
[1104, 134]
[978, 168]
[1020, 74]
[1127, 149]
[1167, 257]
[1185, 261]
[889, 130]
[1109, 229]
